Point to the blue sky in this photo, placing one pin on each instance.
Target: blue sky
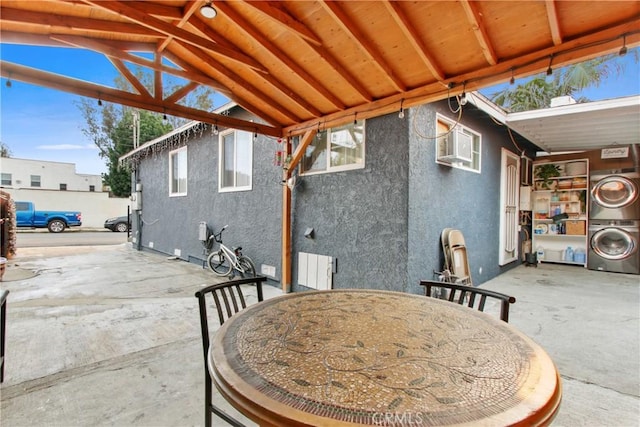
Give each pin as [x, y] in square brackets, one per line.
[45, 124]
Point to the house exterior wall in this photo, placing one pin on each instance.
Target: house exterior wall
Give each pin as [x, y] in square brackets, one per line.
[167, 224]
[52, 174]
[382, 223]
[444, 197]
[95, 206]
[359, 216]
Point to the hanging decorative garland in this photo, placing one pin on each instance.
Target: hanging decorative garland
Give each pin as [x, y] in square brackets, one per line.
[169, 142]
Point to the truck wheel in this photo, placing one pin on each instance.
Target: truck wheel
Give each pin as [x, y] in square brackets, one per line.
[56, 226]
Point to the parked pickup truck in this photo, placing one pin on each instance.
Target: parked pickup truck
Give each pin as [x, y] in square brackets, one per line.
[55, 221]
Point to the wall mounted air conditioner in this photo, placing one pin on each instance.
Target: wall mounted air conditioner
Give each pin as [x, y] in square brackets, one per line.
[457, 147]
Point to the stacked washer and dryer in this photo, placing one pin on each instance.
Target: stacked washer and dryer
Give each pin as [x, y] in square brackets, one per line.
[614, 221]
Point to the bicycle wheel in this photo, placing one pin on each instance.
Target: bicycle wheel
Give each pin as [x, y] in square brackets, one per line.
[244, 263]
[218, 263]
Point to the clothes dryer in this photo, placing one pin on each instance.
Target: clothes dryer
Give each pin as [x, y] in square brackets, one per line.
[614, 246]
[615, 195]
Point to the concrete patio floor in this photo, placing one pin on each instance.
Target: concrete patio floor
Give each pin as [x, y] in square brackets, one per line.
[109, 336]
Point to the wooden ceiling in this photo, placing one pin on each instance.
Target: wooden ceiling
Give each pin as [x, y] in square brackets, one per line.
[307, 65]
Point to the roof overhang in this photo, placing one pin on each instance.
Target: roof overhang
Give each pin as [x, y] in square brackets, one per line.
[582, 126]
[300, 66]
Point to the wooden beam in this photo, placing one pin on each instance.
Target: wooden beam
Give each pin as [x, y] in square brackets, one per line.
[477, 24]
[83, 88]
[580, 49]
[181, 92]
[286, 206]
[349, 27]
[108, 50]
[67, 21]
[189, 9]
[137, 84]
[554, 24]
[395, 10]
[286, 20]
[133, 14]
[286, 62]
[248, 86]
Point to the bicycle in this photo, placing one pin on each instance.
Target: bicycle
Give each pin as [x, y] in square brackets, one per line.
[224, 261]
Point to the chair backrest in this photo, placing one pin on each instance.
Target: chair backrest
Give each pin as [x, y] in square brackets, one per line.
[3, 329]
[228, 299]
[470, 296]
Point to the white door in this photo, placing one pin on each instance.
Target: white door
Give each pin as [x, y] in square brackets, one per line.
[509, 202]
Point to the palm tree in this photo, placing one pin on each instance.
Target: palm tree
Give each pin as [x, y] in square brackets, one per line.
[538, 92]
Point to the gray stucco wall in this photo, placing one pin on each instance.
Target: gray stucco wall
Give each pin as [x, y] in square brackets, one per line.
[359, 216]
[253, 216]
[382, 223]
[444, 197]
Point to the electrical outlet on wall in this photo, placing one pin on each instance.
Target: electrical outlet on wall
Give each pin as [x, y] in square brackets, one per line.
[151, 244]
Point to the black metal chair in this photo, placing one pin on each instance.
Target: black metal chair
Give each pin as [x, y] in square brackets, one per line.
[463, 294]
[3, 329]
[228, 299]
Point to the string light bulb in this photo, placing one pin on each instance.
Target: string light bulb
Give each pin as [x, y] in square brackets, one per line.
[463, 96]
[99, 102]
[549, 69]
[215, 129]
[401, 112]
[8, 83]
[512, 80]
[623, 49]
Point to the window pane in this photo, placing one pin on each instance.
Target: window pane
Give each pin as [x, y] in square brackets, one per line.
[35, 180]
[315, 158]
[346, 145]
[227, 160]
[243, 159]
[178, 176]
[5, 179]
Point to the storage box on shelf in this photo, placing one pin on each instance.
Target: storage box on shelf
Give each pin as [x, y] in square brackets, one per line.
[560, 211]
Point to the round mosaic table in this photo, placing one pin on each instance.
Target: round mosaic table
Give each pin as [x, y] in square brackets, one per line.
[366, 357]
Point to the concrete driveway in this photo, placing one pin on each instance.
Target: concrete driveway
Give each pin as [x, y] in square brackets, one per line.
[110, 336]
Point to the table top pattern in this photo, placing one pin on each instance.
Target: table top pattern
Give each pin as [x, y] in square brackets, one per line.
[376, 357]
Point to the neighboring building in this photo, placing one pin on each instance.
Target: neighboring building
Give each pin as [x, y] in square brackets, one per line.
[44, 175]
[57, 186]
[376, 205]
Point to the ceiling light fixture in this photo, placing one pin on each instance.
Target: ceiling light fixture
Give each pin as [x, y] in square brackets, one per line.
[401, 112]
[208, 11]
[623, 49]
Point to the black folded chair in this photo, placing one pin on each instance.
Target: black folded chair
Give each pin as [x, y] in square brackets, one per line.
[469, 295]
[228, 299]
[3, 329]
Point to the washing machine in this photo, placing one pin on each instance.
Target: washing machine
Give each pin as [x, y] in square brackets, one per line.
[614, 246]
[614, 194]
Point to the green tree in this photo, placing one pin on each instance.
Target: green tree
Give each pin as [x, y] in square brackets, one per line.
[4, 150]
[538, 91]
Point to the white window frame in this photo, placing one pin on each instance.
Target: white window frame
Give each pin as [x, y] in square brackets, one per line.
[341, 168]
[36, 179]
[476, 165]
[7, 179]
[221, 159]
[181, 155]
